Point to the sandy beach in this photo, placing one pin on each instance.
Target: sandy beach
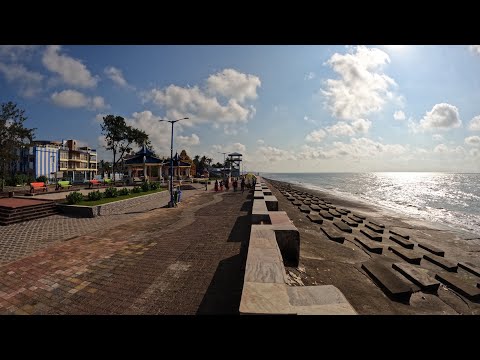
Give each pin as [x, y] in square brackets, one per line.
[323, 261]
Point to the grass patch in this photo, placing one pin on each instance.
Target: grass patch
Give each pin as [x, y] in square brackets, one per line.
[124, 197]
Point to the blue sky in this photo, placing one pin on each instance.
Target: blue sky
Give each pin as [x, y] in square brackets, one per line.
[286, 108]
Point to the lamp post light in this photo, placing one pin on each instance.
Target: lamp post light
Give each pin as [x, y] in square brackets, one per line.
[171, 204]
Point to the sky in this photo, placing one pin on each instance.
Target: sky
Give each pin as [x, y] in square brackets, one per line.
[312, 108]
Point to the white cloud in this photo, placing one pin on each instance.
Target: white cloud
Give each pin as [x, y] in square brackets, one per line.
[362, 87]
[17, 52]
[159, 132]
[71, 70]
[316, 136]
[272, 154]
[475, 49]
[189, 140]
[239, 147]
[442, 117]
[399, 115]
[233, 84]
[116, 76]
[437, 137]
[343, 129]
[76, 99]
[29, 82]
[260, 141]
[443, 149]
[310, 76]
[474, 124]
[475, 152]
[472, 140]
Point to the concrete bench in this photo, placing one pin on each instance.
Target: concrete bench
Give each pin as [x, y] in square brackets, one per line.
[38, 186]
[442, 262]
[400, 241]
[388, 281]
[460, 286]
[271, 202]
[418, 276]
[267, 192]
[259, 212]
[258, 195]
[370, 245]
[432, 249]
[408, 255]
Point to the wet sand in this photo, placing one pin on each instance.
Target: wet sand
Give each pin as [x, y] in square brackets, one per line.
[323, 261]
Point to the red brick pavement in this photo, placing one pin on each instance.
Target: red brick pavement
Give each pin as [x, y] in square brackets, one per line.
[186, 260]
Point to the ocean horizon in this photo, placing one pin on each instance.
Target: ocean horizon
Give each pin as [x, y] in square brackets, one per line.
[447, 198]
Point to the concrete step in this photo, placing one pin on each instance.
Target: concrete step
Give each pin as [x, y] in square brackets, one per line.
[333, 235]
[372, 246]
[388, 281]
[460, 286]
[371, 235]
[442, 262]
[315, 218]
[342, 226]
[374, 228]
[350, 222]
[432, 249]
[418, 276]
[401, 241]
[470, 268]
[408, 255]
[399, 233]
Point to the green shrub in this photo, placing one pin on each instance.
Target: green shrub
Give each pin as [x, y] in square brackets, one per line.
[136, 190]
[146, 186]
[94, 196]
[42, 179]
[111, 192]
[74, 197]
[154, 186]
[123, 191]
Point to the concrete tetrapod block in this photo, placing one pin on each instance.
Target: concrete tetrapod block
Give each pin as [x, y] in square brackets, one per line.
[350, 222]
[326, 215]
[271, 202]
[333, 235]
[442, 262]
[374, 228]
[319, 300]
[388, 281]
[305, 208]
[335, 213]
[370, 245]
[470, 268]
[432, 249]
[401, 241]
[396, 232]
[342, 226]
[418, 276]
[460, 286]
[371, 235]
[315, 218]
[409, 256]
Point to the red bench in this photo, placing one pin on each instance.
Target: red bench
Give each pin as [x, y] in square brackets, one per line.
[38, 185]
[94, 182]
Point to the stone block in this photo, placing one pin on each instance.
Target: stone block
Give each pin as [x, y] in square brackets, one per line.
[418, 276]
[371, 235]
[432, 249]
[460, 286]
[401, 241]
[333, 235]
[315, 218]
[370, 245]
[408, 255]
[342, 226]
[442, 262]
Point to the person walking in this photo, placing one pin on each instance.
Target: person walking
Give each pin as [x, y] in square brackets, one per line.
[216, 185]
[242, 185]
[221, 185]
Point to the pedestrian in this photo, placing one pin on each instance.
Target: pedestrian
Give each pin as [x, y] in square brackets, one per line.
[242, 185]
[226, 185]
[206, 184]
[221, 185]
[175, 197]
[216, 185]
[235, 185]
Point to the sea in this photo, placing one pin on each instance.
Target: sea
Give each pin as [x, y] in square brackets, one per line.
[452, 199]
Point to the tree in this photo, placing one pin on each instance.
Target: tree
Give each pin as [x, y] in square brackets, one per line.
[13, 135]
[120, 136]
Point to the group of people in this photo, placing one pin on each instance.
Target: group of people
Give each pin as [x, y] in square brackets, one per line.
[226, 184]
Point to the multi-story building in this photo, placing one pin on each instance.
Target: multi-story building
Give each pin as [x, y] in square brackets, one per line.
[52, 158]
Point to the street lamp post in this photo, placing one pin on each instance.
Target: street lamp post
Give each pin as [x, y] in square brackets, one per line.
[171, 204]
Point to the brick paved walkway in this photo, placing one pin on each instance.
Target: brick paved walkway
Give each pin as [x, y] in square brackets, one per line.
[186, 260]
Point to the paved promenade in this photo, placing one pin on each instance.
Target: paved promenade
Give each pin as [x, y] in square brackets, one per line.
[186, 260]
